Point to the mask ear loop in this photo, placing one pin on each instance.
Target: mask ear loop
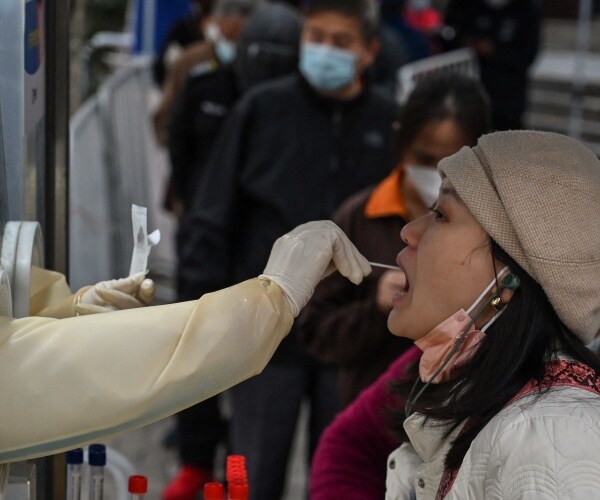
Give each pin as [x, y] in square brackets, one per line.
[494, 318]
[410, 401]
[488, 288]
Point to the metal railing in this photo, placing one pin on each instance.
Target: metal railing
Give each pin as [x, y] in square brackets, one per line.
[462, 61]
[115, 162]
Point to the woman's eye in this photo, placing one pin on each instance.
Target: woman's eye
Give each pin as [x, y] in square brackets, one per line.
[437, 215]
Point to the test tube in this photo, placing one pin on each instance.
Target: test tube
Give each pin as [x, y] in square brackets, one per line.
[237, 478]
[96, 461]
[138, 487]
[74, 467]
[214, 491]
[238, 491]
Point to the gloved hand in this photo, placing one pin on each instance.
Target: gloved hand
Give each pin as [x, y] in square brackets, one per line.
[304, 256]
[126, 293]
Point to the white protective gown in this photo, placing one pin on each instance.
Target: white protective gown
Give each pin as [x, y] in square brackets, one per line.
[71, 381]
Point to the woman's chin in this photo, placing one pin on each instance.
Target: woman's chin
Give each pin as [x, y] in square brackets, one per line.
[394, 327]
[399, 327]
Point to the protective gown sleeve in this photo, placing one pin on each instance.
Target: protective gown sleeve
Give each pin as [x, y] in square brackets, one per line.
[50, 295]
[77, 380]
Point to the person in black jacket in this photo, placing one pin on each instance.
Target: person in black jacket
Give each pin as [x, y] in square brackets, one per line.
[267, 48]
[505, 34]
[182, 33]
[290, 151]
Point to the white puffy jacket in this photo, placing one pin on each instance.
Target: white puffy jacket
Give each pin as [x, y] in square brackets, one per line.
[544, 448]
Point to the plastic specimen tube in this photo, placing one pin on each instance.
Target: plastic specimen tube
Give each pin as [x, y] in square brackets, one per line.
[74, 471]
[214, 491]
[96, 462]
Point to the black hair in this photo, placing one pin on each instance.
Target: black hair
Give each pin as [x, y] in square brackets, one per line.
[205, 6]
[365, 11]
[440, 97]
[514, 351]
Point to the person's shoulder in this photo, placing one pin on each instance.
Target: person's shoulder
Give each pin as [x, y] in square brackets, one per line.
[354, 204]
[350, 214]
[203, 69]
[280, 87]
[559, 409]
[192, 55]
[274, 96]
[553, 436]
[378, 100]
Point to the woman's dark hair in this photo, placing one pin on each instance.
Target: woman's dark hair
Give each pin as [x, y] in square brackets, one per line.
[514, 352]
[445, 96]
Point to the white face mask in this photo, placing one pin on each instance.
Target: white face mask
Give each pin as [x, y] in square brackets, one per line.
[427, 181]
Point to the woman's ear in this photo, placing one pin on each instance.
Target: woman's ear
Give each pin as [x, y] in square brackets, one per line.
[506, 295]
[510, 283]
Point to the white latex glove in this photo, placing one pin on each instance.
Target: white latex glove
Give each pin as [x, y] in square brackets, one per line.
[114, 295]
[300, 259]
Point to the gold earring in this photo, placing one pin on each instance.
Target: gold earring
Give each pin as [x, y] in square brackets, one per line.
[496, 303]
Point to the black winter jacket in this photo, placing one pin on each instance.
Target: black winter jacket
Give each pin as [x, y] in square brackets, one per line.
[515, 34]
[284, 156]
[198, 114]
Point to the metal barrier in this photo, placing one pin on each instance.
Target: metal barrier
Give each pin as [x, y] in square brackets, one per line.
[123, 109]
[551, 99]
[93, 226]
[115, 162]
[462, 61]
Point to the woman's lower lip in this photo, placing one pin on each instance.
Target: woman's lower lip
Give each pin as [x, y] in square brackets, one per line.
[398, 298]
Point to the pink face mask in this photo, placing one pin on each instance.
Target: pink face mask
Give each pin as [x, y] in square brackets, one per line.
[443, 350]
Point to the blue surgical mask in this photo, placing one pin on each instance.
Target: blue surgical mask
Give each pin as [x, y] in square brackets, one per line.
[225, 50]
[327, 68]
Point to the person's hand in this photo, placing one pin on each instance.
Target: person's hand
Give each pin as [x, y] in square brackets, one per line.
[390, 283]
[304, 256]
[126, 293]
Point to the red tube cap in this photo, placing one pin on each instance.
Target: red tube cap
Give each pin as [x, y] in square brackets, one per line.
[213, 491]
[238, 491]
[138, 485]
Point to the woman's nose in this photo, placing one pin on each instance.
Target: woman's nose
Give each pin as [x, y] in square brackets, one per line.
[411, 232]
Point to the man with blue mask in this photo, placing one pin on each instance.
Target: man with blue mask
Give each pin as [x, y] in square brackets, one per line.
[290, 151]
[335, 52]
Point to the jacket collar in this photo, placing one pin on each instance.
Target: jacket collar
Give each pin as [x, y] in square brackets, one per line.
[386, 200]
[428, 437]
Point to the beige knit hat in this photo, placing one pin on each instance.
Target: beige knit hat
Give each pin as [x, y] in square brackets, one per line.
[537, 194]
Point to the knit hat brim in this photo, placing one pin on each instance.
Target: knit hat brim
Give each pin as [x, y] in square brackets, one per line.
[537, 194]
